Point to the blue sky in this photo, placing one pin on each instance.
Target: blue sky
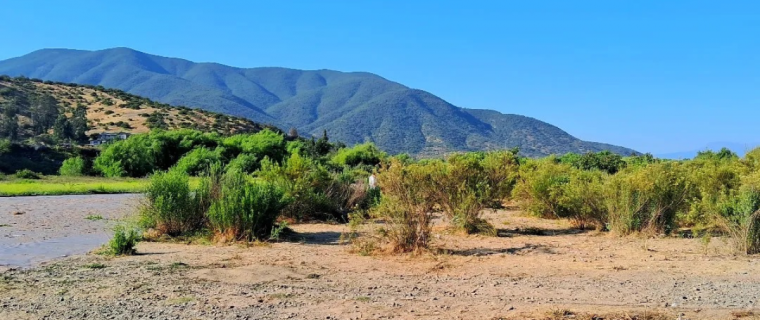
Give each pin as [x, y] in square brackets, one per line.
[657, 76]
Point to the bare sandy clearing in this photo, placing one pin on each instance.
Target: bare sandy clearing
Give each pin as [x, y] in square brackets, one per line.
[536, 268]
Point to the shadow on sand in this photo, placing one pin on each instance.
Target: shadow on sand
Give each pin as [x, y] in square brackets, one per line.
[330, 238]
[477, 252]
[507, 233]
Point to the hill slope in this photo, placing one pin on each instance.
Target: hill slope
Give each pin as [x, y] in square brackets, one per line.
[110, 110]
[351, 107]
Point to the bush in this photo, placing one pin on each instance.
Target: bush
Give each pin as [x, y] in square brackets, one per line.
[551, 190]
[343, 194]
[245, 163]
[245, 210]
[738, 216]
[123, 241]
[134, 157]
[406, 206]
[171, 207]
[73, 167]
[648, 199]
[753, 233]
[540, 188]
[305, 182]
[604, 161]
[27, 174]
[715, 182]
[262, 144]
[5, 146]
[197, 161]
[360, 154]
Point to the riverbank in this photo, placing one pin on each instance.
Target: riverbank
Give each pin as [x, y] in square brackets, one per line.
[537, 269]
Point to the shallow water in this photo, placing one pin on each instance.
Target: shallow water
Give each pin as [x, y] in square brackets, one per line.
[34, 230]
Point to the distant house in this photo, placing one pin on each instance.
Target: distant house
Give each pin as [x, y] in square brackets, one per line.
[107, 137]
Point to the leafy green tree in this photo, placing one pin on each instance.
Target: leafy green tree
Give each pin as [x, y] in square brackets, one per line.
[43, 112]
[134, 157]
[723, 154]
[605, 161]
[62, 128]
[9, 122]
[366, 154]
[79, 124]
[323, 146]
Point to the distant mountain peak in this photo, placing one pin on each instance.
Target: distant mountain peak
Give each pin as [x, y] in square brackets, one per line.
[352, 107]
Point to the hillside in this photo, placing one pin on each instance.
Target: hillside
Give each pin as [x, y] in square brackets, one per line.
[107, 110]
[352, 107]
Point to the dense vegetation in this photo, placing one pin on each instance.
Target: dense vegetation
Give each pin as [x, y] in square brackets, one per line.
[351, 107]
[296, 180]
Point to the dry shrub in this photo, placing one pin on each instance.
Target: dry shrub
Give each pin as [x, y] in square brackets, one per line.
[745, 236]
[549, 189]
[406, 206]
[466, 184]
[753, 233]
[738, 216]
[648, 199]
[561, 314]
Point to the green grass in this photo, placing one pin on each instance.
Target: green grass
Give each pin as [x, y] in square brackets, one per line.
[95, 266]
[94, 217]
[58, 185]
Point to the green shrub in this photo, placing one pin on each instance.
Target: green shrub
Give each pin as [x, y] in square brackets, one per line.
[73, 167]
[360, 154]
[171, 207]
[753, 233]
[540, 187]
[245, 210]
[244, 162]
[197, 161]
[134, 157]
[406, 205]
[461, 191]
[548, 189]
[738, 215]
[715, 182]
[604, 161]
[124, 241]
[5, 146]
[648, 199]
[305, 182]
[27, 174]
[262, 144]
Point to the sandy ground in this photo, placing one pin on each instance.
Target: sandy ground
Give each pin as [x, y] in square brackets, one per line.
[536, 269]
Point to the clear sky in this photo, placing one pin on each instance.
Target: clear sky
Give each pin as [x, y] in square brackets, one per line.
[657, 76]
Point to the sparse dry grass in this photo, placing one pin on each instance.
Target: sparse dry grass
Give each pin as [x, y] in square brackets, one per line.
[561, 314]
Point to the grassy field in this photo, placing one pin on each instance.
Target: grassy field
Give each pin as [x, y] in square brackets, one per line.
[57, 185]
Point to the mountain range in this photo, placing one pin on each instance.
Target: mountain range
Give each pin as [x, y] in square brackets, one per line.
[352, 107]
[739, 148]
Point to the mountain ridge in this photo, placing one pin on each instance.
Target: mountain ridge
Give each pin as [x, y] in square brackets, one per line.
[352, 107]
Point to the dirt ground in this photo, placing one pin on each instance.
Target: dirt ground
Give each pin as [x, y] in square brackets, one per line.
[535, 269]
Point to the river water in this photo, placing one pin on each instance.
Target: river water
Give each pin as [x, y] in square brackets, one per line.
[34, 230]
